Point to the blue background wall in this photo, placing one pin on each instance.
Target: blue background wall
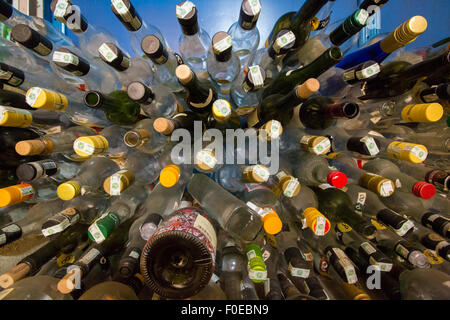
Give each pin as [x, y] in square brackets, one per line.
[218, 15]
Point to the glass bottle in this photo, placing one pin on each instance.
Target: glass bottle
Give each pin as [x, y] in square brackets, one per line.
[145, 138]
[35, 288]
[59, 169]
[245, 90]
[424, 284]
[41, 190]
[234, 178]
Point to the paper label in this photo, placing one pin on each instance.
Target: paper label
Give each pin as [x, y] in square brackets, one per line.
[84, 147]
[275, 129]
[115, 183]
[322, 146]
[417, 152]
[361, 201]
[257, 77]
[134, 254]
[66, 57]
[291, 187]
[280, 175]
[202, 224]
[321, 222]
[61, 9]
[325, 186]
[106, 52]
[386, 189]
[5, 75]
[184, 9]
[285, 40]
[348, 76]
[368, 248]
[266, 210]
[255, 6]
[56, 228]
[362, 17]
[261, 172]
[298, 272]
[2, 238]
[42, 49]
[207, 158]
[33, 95]
[27, 191]
[90, 256]
[257, 275]
[96, 233]
[222, 107]
[408, 225]
[251, 255]
[368, 72]
[223, 44]
[371, 145]
[402, 251]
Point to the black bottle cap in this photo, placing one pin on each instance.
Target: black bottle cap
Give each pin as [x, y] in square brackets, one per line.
[255, 78]
[391, 218]
[6, 11]
[222, 45]
[26, 172]
[350, 110]
[437, 223]
[365, 71]
[127, 15]
[249, 14]
[187, 15]
[366, 4]
[113, 56]
[129, 264]
[70, 11]
[11, 75]
[357, 144]
[80, 67]
[139, 92]
[284, 41]
[31, 39]
[9, 234]
[443, 91]
[154, 49]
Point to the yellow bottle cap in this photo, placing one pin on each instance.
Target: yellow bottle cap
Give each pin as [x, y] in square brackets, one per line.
[316, 221]
[378, 184]
[272, 223]
[291, 187]
[170, 176]
[404, 34]
[406, 151]
[318, 145]
[256, 174]
[427, 112]
[13, 117]
[221, 110]
[68, 190]
[88, 146]
[40, 98]
[15, 194]
[118, 182]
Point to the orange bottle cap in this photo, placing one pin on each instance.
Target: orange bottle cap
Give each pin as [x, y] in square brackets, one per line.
[170, 176]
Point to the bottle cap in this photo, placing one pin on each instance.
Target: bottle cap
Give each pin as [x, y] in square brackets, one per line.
[31, 39]
[316, 221]
[424, 190]
[40, 98]
[187, 15]
[103, 227]
[272, 223]
[68, 190]
[13, 117]
[15, 194]
[163, 126]
[367, 145]
[62, 12]
[112, 55]
[139, 92]
[404, 34]
[154, 49]
[256, 174]
[170, 176]
[184, 74]
[308, 88]
[206, 160]
[291, 187]
[71, 62]
[118, 182]
[88, 146]
[272, 130]
[221, 110]
[378, 184]
[427, 112]
[318, 145]
[222, 46]
[32, 147]
[337, 179]
[136, 138]
[405, 151]
[249, 14]
[28, 172]
[255, 78]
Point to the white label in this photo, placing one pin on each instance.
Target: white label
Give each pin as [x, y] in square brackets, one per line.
[385, 267]
[223, 44]
[83, 147]
[11, 228]
[215, 278]
[206, 227]
[362, 17]
[322, 146]
[284, 40]
[402, 251]
[184, 9]
[350, 272]
[257, 274]
[2, 238]
[96, 233]
[368, 72]
[26, 191]
[371, 145]
[275, 129]
[257, 77]
[121, 9]
[91, 255]
[361, 201]
[106, 52]
[251, 254]
[134, 255]
[408, 225]
[222, 107]
[255, 6]
[207, 158]
[280, 175]
[417, 152]
[56, 228]
[261, 172]
[386, 189]
[368, 248]
[65, 57]
[298, 272]
[266, 210]
[325, 186]
[115, 184]
[291, 187]
[398, 183]
[321, 222]
[33, 95]
[61, 9]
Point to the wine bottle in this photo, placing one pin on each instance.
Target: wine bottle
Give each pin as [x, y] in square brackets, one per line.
[430, 240]
[184, 120]
[59, 169]
[424, 284]
[9, 137]
[119, 289]
[39, 45]
[286, 184]
[35, 288]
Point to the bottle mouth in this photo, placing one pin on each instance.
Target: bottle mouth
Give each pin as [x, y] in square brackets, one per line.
[132, 139]
[92, 99]
[335, 53]
[351, 110]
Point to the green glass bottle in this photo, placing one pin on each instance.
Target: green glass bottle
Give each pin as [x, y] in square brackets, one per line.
[118, 107]
[285, 82]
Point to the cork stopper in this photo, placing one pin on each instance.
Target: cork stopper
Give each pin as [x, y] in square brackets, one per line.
[427, 112]
[67, 284]
[407, 32]
[118, 182]
[34, 147]
[184, 74]
[163, 126]
[15, 274]
[308, 88]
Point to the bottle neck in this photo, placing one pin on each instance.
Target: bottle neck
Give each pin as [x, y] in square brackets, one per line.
[324, 62]
[98, 100]
[351, 26]
[341, 110]
[307, 12]
[425, 68]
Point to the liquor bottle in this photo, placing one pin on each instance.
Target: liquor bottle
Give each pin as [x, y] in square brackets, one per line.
[184, 237]
[93, 255]
[368, 204]
[337, 206]
[409, 205]
[299, 22]
[145, 138]
[313, 170]
[424, 284]
[403, 182]
[44, 99]
[281, 107]
[194, 41]
[285, 82]
[378, 184]
[339, 37]
[285, 184]
[109, 143]
[136, 26]
[128, 69]
[200, 94]
[20, 118]
[245, 90]
[118, 289]
[234, 178]
[54, 143]
[164, 62]
[30, 265]
[35, 288]
[80, 210]
[29, 38]
[244, 32]
[31, 223]
[395, 246]
[90, 178]
[117, 106]
[322, 112]
[184, 120]
[121, 210]
[156, 100]
[223, 63]
[430, 240]
[9, 137]
[59, 169]
[89, 36]
[406, 33]
[340, 83]
[91, 74]
[223, 117]
[295, 139]
[303, 209]
[231, 213]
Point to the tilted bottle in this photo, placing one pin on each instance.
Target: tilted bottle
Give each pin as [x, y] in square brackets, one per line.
[42, 190]
[184, 120]
[39, 119]
[9, 137]
[58, 168]
[118, 289]
[246, 88]
[295, 139]
[234, 178]
[424, 284]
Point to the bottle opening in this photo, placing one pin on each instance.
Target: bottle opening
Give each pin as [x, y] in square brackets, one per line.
[132, 139]
[92, 99]
[336, 53]
[351, 110]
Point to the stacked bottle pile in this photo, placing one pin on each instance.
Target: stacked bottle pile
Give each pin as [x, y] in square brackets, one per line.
[100, 200]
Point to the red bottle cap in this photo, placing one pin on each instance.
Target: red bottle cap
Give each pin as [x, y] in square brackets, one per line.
[337, 179]
[424, 190]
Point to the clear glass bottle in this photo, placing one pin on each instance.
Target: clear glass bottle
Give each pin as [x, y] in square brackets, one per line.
[234, 178]
[41, 190]
[245, 90]
[145, 167]
[145, 138]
